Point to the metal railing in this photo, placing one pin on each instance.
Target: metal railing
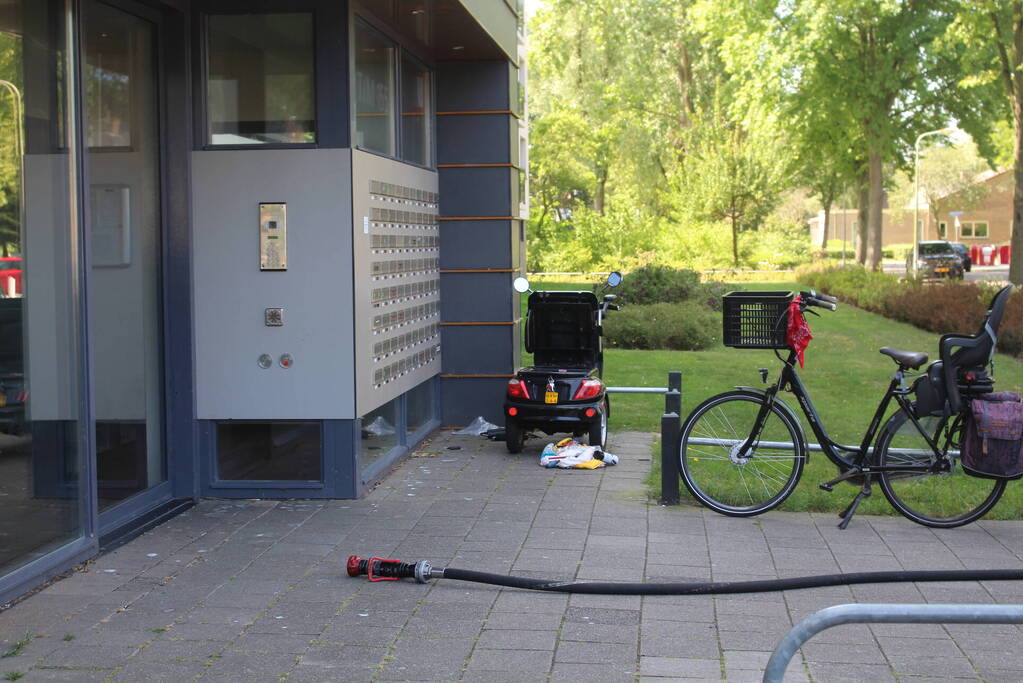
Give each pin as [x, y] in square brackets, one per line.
[869, 613]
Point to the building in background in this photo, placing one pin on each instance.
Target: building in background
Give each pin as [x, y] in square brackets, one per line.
[250, 249]
[981, 221]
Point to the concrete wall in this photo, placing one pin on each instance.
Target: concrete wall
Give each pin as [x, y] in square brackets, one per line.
[231, 293]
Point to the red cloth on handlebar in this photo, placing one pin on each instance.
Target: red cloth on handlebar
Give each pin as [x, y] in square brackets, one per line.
[798, 335]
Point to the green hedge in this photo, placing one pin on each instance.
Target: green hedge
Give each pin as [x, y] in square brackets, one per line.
[686, 326]
[663, 284]
[943, 307]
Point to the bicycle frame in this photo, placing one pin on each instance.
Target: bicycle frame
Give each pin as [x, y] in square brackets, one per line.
[858, 463]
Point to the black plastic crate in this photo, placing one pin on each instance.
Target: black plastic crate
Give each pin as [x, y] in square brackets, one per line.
[756, 320]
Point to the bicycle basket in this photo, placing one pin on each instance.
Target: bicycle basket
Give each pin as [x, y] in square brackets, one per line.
[756, 320]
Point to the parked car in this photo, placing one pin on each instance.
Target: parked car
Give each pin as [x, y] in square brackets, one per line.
[938, 259]
[964, 254]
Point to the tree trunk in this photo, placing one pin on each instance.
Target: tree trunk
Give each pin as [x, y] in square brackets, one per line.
[735, 241]
[827, 224]
[863, 215]
[876, 217]
[1016, 248]
[598, 201]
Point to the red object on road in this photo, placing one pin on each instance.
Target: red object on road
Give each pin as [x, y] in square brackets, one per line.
[1003, 254]
[10, 275]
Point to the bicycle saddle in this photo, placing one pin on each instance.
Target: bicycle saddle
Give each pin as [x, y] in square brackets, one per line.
[907, 359]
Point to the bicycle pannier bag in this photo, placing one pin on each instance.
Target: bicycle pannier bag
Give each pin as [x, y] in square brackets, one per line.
[993, 436]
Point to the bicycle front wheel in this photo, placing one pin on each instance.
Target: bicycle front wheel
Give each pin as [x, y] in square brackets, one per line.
[723, 478]
[942, 499]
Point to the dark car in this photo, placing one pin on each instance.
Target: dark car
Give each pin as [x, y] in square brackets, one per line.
[938, 259]
[964, 254]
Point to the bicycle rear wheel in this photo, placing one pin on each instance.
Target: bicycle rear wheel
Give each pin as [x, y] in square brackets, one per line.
[713, 469]
[945, 499]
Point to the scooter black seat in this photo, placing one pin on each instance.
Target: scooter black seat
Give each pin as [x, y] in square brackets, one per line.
[907, 359]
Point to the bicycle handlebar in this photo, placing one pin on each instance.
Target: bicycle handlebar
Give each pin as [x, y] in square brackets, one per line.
[815, 302]
[820, 296]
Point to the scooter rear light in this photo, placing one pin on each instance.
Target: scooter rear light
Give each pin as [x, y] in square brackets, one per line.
[590, 388]
[517, 389]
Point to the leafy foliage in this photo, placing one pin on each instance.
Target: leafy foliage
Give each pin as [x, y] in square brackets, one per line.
[686, 326]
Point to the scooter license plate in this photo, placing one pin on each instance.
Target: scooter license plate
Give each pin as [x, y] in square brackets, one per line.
[550, 397]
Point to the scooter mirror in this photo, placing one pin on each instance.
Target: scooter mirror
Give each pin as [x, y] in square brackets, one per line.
[614, 279]
[521, 285]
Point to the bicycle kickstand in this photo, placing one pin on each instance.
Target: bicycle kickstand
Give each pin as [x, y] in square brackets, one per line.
[850, 510]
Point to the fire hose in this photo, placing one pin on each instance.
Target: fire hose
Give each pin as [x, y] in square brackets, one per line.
[380, 569]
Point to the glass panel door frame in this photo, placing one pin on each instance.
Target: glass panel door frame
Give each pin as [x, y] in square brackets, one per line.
[174, 267]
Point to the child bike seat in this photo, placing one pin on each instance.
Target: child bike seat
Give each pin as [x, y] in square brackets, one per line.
[906, 359]
[971, 353]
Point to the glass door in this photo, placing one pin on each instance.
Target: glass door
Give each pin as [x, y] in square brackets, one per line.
[122, 142]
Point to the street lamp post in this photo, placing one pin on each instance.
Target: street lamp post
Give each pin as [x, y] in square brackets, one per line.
[916, 191]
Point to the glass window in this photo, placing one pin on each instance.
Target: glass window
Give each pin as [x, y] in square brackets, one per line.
[942, 229]
[415, 111]
[260, 79]
[973, 229]
[420, 406]
[269, 451]
[379, 433]
[374, 91]
[41, 489]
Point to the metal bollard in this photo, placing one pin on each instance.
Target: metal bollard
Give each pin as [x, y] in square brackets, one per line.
[670, 423]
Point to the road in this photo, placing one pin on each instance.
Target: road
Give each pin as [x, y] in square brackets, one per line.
[979, 273]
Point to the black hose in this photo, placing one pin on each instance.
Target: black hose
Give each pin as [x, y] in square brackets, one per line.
[720, 587]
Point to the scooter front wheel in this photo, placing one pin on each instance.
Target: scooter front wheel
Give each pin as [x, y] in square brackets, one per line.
[513, 435]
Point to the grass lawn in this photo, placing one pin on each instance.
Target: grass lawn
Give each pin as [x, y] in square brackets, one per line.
[845, 375]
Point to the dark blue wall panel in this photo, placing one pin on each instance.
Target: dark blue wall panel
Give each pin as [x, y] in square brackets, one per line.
[474, 139]
[472, 86]
[465, 398]
[478, 244]
[473, 297]
[476, 349]
[475, 191]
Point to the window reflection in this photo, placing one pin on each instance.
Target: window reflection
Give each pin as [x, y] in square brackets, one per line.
[415, 111]
[40, 492]
[260, 80]
[374, 91]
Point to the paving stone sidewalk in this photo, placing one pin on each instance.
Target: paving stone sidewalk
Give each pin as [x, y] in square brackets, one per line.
[256, 590]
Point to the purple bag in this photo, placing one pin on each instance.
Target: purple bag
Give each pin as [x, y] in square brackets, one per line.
[993, 437]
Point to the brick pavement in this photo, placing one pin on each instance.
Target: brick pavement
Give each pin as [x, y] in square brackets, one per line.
[256, 591]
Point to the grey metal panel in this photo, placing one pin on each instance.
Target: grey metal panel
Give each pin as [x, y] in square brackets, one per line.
[499, 20]
[414, 218]
[49, 306]
[472, 86]
[475, 139]
[465, 398]
[475, 191]
[477, 349]
[231, 293]
[474, 297]
[478, 244]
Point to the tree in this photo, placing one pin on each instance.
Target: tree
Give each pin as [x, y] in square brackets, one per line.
[730, 175]
[986, 44]
[861, 68]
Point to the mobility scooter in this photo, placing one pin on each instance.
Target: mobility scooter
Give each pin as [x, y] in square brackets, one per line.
[562, 391]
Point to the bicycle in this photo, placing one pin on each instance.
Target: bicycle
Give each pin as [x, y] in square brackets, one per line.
[742, 452]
